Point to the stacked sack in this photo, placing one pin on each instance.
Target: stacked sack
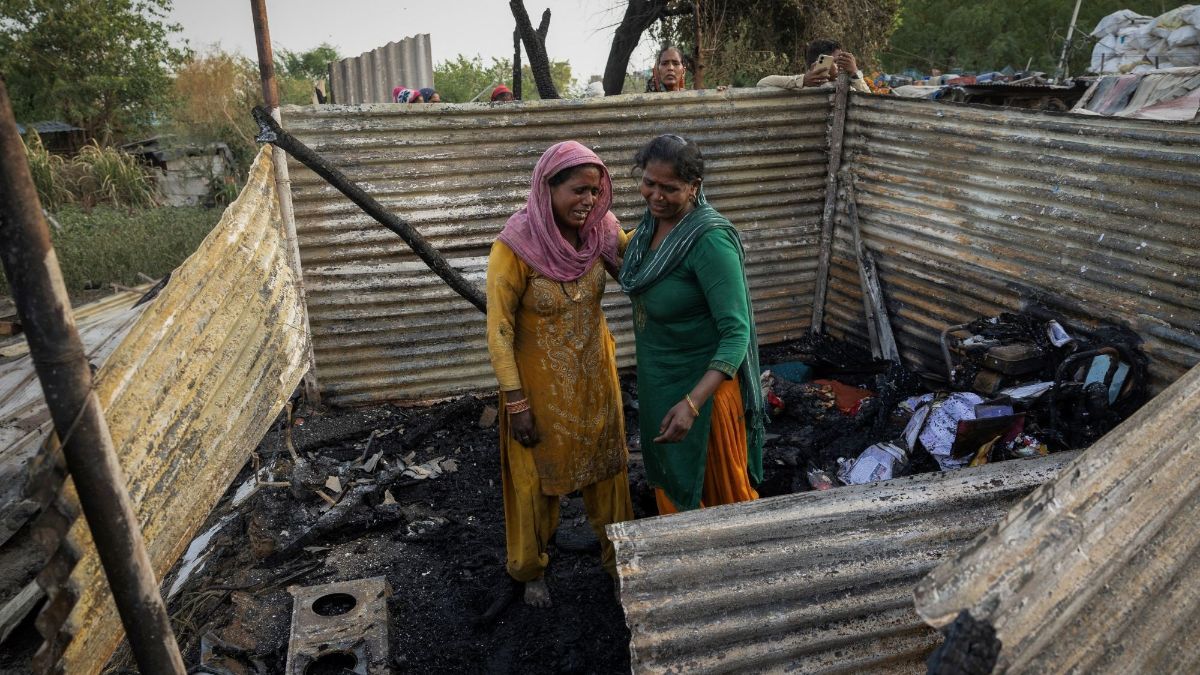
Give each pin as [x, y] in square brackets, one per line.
[1128, 42]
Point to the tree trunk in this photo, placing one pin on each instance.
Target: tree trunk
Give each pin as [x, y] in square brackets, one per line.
[535, 47]
[516, 79]
[639, 15]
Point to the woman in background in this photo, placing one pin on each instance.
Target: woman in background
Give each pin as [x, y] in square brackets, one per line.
[701, 410]
[561, 428]
[670, 71]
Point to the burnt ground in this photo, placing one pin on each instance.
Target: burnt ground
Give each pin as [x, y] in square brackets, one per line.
[439, 539]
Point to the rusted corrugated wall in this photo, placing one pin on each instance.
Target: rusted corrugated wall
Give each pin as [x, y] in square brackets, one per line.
[385, 328]
[1097, 571]
[974, 210]
[371, 76]
[815, 582]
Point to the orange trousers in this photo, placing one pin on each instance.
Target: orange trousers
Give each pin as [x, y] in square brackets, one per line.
[725, 477]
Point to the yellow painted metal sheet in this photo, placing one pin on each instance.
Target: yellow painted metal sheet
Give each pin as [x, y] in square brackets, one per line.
[191, 390]
[386, 328]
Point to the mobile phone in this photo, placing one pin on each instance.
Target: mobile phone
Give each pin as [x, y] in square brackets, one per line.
[825, 63]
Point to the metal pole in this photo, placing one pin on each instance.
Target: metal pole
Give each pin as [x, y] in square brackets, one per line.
[283, 183]
[66, 378]
[1061, 71]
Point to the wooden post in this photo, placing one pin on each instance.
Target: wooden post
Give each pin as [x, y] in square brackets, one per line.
[883, 341]
[66, 377]
[283, 184]
[837, 126]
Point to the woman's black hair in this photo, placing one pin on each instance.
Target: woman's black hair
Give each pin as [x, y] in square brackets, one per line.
[565, 175]
[682, 154]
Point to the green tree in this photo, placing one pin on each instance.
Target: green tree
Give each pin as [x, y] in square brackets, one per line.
[984, 35]
[312, 64]
[460, 79]
[104, 65]
[743, 40]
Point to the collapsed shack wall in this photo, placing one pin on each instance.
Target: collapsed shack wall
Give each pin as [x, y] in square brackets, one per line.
[1096, 571]
[972, 210]
[386, 328]
[809, 582]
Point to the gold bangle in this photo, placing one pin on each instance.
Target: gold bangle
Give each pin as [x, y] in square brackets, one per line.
[515, 407]
[688, 397]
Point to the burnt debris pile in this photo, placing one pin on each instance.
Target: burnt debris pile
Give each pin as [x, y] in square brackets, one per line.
[1013, 386]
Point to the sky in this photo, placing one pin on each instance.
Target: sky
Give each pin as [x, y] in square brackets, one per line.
[580, 30]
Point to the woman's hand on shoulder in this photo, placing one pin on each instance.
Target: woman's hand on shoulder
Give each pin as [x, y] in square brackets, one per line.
[677, 423]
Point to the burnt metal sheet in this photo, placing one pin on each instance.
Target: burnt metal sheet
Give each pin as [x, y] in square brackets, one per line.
[386, 328]
[1097, 571]
[973, 210]
[340, 627]
[189, 392]
[371, 76]
[816, 582]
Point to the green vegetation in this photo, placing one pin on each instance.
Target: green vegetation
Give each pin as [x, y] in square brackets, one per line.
[983, 35]
[109, 245]
[103, 65]
[459, 80]
[743, 40]
[96, 175]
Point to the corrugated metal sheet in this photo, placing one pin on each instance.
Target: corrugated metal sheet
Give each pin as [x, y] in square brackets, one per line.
[24, 418]
[189, 393]
[371, 76]
[817, 582]
[384, 327]
[973, 210]
[1099, 570]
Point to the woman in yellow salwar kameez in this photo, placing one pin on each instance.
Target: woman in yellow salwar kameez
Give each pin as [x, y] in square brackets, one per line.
[561, 427]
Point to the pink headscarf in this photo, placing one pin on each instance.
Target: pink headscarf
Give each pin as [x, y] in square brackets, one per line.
[533, 235]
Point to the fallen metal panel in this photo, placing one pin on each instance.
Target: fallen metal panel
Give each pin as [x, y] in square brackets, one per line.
[1099, 570]
[24, 418]
[817, 582]
[189, 392]
[371, 76]
[386, 328]
[973, 210]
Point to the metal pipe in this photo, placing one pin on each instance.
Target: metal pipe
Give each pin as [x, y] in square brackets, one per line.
[66, 378]
[1061, 71]
[271, 132]
[837, 127]
[283, 183]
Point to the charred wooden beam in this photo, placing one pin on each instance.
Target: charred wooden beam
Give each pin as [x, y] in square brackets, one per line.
[271, 132]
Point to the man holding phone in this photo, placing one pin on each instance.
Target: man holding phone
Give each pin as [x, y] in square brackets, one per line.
[824, 59]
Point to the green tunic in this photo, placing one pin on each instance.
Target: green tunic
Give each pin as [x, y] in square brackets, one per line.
[693, 316]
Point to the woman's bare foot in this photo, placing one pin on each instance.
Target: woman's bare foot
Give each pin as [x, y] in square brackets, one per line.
[537, 594]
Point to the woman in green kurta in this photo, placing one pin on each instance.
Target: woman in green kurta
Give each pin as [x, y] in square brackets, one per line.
[701, 412]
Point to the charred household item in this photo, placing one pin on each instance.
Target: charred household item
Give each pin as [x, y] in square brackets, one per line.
[340, 627]
[1080, 383]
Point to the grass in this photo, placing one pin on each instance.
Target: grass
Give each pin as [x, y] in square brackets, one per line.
[108, 245]
[97, 175]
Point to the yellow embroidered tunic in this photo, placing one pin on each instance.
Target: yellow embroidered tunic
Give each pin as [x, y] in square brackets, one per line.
[550, 339]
